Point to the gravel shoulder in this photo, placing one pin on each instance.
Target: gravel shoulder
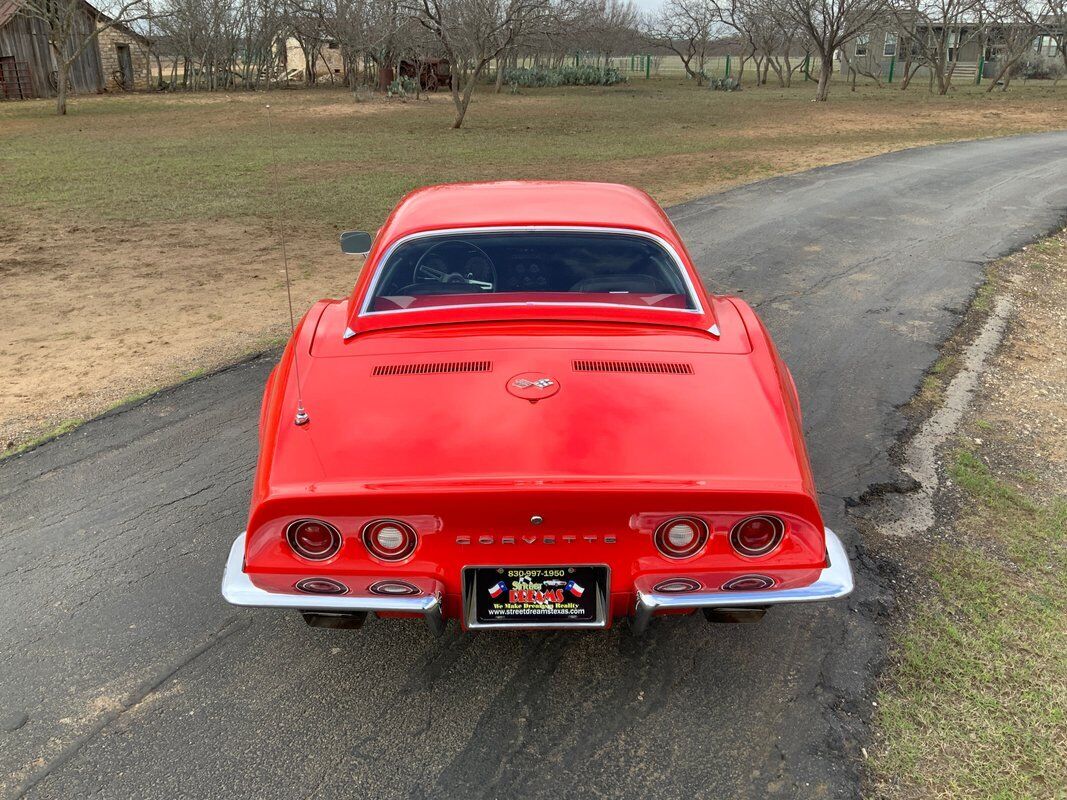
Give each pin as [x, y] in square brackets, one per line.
[974, 701]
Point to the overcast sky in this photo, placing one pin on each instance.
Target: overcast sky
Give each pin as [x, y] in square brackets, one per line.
[647, 5]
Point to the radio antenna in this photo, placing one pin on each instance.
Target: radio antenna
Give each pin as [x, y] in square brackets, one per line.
[279, 230]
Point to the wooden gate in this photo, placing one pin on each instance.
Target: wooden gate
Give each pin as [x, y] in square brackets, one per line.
[15, 83]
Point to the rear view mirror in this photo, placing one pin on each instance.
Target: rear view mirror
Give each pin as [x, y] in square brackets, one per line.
[356, 242]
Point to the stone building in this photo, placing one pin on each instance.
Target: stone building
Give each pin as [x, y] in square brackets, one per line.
[124, 58]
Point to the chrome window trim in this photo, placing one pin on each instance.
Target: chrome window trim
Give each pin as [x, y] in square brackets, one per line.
[694, 297]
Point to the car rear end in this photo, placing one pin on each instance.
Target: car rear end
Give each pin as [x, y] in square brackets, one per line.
[564, 556]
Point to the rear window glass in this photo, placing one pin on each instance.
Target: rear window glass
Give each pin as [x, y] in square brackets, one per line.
[519, 267]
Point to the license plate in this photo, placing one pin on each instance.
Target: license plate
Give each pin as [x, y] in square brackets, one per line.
[536, 597]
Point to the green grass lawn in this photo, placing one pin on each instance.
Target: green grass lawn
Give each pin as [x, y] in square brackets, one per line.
[148, 225]
[143, 158]
[979, 706]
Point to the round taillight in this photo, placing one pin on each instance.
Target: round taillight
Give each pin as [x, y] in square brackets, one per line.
[757, 536]
[676, 586]
[681, 537]
[748, 583]
[313, 539]
[321, 586]
[389, 539]
[394, 588]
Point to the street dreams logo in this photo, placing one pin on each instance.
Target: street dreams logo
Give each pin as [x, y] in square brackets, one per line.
[551, 591]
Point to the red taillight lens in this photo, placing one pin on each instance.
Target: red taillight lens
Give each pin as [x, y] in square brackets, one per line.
[313, 539]
[321, 586]
[676, 586]
[394, 588]
[757, 536]
[681, 537]
[748, 583]
[389, 540]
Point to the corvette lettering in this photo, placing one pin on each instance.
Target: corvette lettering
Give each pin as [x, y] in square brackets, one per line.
[530, 539]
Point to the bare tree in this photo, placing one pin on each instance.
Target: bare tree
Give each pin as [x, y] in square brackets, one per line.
[936, 31]
[772, 36]
[607, 27]
[1012, 30]
[686, 28]
[830, 25]
[865, 60]
[73, 26]
[1053, 20]
[472, 33]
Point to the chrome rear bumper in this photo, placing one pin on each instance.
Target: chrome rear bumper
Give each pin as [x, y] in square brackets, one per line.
[238, 590]
[834, 581]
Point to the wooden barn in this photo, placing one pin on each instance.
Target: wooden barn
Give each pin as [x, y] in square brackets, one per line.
[26, 65]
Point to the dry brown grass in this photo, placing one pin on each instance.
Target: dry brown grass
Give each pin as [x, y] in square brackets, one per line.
[137, 242]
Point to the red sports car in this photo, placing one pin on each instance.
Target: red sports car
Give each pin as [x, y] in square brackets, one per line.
[530, 414]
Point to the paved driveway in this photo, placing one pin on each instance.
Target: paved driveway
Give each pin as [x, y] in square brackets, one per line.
[123, 674]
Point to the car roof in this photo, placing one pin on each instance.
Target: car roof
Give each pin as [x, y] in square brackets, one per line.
[524, 204]
[515, 203]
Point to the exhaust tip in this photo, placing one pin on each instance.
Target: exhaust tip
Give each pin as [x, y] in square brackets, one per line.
[735, 615]
[346, 621]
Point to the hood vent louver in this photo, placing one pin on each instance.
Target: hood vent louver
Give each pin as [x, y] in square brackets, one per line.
[432, 368]
[647, 367]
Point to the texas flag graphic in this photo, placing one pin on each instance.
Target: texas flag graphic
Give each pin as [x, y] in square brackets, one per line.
[499, 589]
[574, 589]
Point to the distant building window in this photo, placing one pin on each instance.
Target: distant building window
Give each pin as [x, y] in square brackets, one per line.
[1045, 45]
[890, 48]
[862, 42]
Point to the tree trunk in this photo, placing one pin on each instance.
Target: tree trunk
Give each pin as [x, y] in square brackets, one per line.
[944, 76]
[1005, 74]
[461, 103]
[826, 70]
[61, 81]
[500, 62]
[61, 94]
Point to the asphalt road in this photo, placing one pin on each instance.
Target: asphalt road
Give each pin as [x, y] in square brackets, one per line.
[123, 673]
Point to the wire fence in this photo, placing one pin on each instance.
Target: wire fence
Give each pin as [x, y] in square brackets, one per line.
[663, 66]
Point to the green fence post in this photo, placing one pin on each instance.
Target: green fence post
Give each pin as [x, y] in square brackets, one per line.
[978, 74]
[648, 67]
[727, 75]
[892, 66]
[576, 58]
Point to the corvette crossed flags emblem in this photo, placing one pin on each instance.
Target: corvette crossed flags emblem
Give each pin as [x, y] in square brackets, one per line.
[540, 383]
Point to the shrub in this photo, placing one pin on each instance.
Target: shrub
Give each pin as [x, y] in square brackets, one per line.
[724, 84]
[401, 87]
[1037, 69]
[582, 75]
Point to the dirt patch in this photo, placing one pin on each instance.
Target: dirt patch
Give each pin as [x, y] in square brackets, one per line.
[130, 309]
[128, 261]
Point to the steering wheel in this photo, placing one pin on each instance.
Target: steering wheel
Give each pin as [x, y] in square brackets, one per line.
[438, 264]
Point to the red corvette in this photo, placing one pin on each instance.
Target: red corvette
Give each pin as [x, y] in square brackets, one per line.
[530, 414]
